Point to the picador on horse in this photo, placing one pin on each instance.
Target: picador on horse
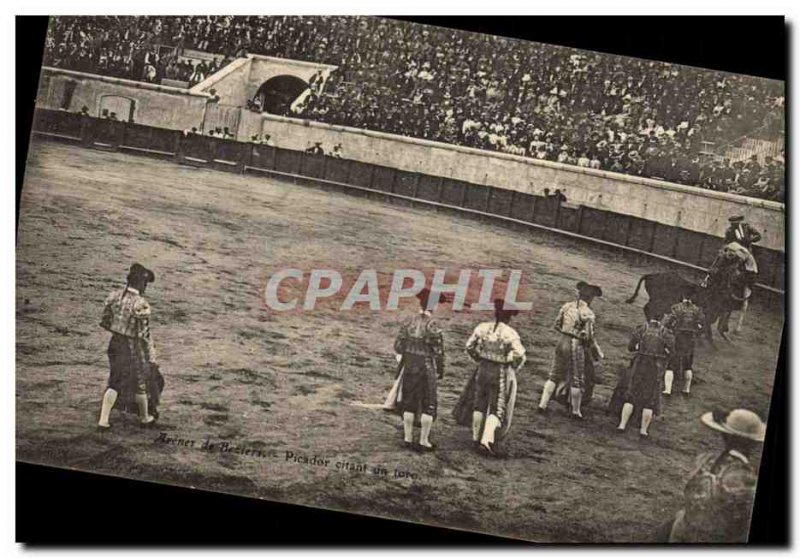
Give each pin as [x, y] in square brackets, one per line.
[727, 286]
[733, 273]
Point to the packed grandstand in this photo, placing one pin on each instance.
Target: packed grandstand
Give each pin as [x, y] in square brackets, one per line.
[687, 125]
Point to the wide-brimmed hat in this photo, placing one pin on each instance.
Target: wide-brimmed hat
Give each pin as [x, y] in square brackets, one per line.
[138, 271]
[739, 422]
[736, 218]
[587, 289]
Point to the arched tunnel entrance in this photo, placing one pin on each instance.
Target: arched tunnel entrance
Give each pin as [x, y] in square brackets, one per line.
[278, 93]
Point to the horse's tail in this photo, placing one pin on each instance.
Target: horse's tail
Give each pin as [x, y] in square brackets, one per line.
[636, 292]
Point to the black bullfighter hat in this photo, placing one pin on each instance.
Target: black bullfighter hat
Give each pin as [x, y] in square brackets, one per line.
[138, 271]
[586, 289]
[501, 312]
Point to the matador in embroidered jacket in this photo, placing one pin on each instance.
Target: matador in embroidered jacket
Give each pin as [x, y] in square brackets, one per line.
[420, 344]
[490, 393]
[134, 376]
[576, 351]
[686, 320]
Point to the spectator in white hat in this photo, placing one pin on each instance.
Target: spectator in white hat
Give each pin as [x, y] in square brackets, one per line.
[719, 495]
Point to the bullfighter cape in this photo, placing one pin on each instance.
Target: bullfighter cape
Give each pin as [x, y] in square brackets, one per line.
[462, 412]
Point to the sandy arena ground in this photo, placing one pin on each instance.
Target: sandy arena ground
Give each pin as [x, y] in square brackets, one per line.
[270, 382]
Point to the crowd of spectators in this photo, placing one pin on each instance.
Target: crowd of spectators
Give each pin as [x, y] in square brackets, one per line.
[138, 48]
[601, 111]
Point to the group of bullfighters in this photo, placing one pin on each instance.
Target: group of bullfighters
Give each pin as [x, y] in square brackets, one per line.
[662, 353]
[720, 491]
[661, 348]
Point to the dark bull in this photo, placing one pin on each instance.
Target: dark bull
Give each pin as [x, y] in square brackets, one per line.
[665, 289]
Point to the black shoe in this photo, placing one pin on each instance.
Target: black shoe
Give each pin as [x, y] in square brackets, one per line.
[487, 449]
[426, 449]
[577, 418]
[644, 437]
[665, 394]
[619, 430]
[541, 411]
[685, 394]
[100, 428]
[409, 445]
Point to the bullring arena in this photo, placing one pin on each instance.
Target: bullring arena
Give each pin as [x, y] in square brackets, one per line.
[269, 385]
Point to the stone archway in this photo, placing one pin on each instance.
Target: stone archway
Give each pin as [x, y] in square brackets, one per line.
[278, 93]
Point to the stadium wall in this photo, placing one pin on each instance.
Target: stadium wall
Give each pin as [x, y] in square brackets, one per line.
[155, 105]
[517, 208]
[703, 211]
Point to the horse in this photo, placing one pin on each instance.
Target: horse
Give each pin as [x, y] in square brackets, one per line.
[732, 274]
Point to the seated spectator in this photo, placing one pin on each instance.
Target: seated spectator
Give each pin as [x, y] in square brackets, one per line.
[172, 71]
[150, 73]
[316, 149]
[197, 74]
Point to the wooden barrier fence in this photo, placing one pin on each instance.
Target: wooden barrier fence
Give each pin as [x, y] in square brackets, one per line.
[633, 234]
